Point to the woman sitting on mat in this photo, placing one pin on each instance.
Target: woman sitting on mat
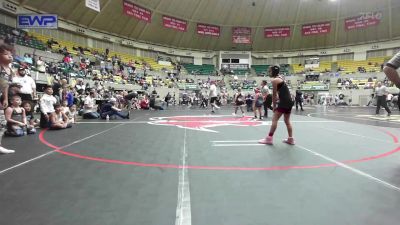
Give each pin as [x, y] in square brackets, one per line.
[282, 104]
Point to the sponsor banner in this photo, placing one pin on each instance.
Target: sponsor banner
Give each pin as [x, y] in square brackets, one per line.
[174, 23]
[276, 32]
[210, 30]
[136, 11]
[313, 87]
[241, 35]
[93, 4]
[44, 21]
[316, 29]
[362, 21]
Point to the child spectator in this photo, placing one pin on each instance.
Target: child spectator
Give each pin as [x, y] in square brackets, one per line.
[16, 118]
[258, 103]
[73, 113]
[58, 119]
[30, 119]
[65, 108]
[47, 106]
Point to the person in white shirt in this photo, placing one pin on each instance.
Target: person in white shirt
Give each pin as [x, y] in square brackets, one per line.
[381, 91]
[28, 85]
[47, 102]
[40, 65]
[89, 108]
[213, 96]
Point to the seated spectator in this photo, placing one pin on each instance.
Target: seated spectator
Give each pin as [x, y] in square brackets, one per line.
[16, 119]
[153, 104]
[73, 113]
[46, 106]
[58, 119]
[65, 108]
[89, 108]
[109, 109]
[30, 119]
[144, 103]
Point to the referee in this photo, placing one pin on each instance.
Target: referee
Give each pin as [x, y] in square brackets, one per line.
[381, 91]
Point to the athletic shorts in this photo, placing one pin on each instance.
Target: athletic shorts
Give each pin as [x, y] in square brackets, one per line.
[283, 110]
[213, 100]
[394, 62]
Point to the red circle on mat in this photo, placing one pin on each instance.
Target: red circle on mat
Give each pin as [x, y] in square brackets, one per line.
[232, 168]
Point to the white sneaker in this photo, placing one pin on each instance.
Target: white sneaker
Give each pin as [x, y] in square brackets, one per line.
[243, 115]
[233, 114]
[217, 107]
[5, 151]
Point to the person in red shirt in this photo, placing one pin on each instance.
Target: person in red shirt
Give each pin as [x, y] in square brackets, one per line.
[145, 103]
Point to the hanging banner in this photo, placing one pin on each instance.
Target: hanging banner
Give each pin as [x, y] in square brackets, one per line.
[137, 12]
[174, 23]
[93, 4]
[241, 35]
[362, 21]
[316, 28]
[210, 30]
[276, 32]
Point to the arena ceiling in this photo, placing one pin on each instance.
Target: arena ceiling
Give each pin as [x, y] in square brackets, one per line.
[227, 14]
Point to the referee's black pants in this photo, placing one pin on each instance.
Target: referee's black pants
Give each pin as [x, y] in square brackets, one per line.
[381, 101]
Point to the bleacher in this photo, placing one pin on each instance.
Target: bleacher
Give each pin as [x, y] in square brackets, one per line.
[241, 72]
[370, 65]
[325, 66]
[205, 69]
[31, 42]
[260, 70]
[126, 58]
[263, 69]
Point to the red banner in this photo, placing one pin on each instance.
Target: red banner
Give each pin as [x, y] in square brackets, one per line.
[316, 29]
[136, 11]
[174, 23]
[276, 32]
[363, 21]
[241, 35]
[210, 30]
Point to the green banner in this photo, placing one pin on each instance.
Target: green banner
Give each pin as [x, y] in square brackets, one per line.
[314, 87]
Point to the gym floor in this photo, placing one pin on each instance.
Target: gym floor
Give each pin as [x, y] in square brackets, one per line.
[182, 166]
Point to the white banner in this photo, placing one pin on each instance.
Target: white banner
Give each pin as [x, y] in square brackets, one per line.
[93, 4]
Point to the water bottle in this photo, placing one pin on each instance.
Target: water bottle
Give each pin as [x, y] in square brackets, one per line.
[107, 117]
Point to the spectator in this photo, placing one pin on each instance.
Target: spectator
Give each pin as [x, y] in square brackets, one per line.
[73, 113]
[46, 106]
[13, 89]
[89, 108]
[57, 89]
[249, 103]
[109, 109]
[40, 65]
[5, 75]
[58, 119]
[144, 103]
[30, 119]
[28, 59]
[28, 85]
[16, 118]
